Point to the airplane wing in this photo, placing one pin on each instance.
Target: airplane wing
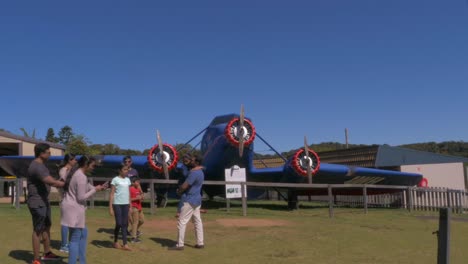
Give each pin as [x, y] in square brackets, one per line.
[336, 174]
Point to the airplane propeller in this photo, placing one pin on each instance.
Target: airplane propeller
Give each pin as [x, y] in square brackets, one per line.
[162, 155]
[240, 132]
[309, 160]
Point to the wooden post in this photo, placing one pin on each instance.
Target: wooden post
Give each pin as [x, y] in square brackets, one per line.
[443, 237]
[228, 205]
[410, 199]
[464, 204]
[330, 202]
[244, 199]
[17, 193]
[152, 197]
[364, 191]
[449, 202]
[346, 137]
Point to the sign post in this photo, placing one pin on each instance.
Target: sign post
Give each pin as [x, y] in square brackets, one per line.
[236, 174]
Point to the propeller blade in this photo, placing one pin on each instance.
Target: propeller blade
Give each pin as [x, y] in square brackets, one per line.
[162, 155]
[241, 132]
[309, 169]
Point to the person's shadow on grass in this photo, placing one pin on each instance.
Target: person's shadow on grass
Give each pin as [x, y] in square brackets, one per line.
[27, 256]
[106, 230]
[164, 242]
[102, 243]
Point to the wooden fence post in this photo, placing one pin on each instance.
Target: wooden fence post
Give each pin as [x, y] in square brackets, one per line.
[244, 199]
[152, 197]
[443, 237]
[410, 199]
[364, 192]
[330, 201]
[17, 188]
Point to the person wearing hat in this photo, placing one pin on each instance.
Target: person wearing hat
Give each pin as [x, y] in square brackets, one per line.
[137, 217]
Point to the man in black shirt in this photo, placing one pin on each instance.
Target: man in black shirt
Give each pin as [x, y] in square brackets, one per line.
[39, 182]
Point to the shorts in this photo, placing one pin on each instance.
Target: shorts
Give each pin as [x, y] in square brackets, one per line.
[41, 218]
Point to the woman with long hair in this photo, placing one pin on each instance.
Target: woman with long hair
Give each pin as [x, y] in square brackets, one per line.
[119, 205]
[68, 162]
[73, 207]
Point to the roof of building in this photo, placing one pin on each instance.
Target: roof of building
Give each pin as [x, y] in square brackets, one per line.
[30, 140]
[397, 156]
[377, 156]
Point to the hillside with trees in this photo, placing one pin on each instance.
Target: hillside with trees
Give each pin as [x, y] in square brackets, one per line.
[80, 144]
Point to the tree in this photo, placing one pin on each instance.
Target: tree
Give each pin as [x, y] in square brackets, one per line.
[78, 145]
[65, 135]
[51, 136]
[110, 149]
[26, 134]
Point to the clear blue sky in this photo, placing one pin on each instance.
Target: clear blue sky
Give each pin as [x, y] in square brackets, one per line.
[392, 72]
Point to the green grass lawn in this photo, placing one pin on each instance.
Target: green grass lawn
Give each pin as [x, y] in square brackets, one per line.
[269, 234]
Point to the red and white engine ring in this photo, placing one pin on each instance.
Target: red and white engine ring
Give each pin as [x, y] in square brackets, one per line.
[232, 132]
[170, 157]
[299, 162]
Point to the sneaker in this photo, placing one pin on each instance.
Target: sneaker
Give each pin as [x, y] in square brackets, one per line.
[36, 262]
[139, 233]
[65, 249]
[175, 248]
[199, 246]
[50, 256]
[135, 240]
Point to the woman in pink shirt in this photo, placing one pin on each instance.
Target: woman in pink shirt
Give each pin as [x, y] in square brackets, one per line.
[73, 207]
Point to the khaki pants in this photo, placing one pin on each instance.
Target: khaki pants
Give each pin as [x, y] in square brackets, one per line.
[186, 213]
[135, 220]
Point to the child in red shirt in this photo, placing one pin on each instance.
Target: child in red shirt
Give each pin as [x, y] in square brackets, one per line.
[136, 218]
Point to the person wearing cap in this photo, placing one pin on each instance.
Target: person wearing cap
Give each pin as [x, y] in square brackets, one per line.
[137, 217]
[127, 161]
[190, 192]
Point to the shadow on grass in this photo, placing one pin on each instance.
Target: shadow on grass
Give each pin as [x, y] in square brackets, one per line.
[57, 244]
[102, 243]
[27, 256]
[106, 230]
[164, 242]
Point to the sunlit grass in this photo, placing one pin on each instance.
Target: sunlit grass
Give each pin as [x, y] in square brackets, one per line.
[269, 234]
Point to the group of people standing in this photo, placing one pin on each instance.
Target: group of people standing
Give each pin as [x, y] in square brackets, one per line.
[125, 203]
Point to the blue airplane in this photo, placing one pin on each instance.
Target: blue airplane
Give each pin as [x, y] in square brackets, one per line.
[228, 141]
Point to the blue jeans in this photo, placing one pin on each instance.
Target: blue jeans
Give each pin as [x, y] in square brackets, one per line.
[121, 221]
[65, 238]
[78, 242]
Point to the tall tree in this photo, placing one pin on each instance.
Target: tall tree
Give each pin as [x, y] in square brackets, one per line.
[65, 135]
[51, 136]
